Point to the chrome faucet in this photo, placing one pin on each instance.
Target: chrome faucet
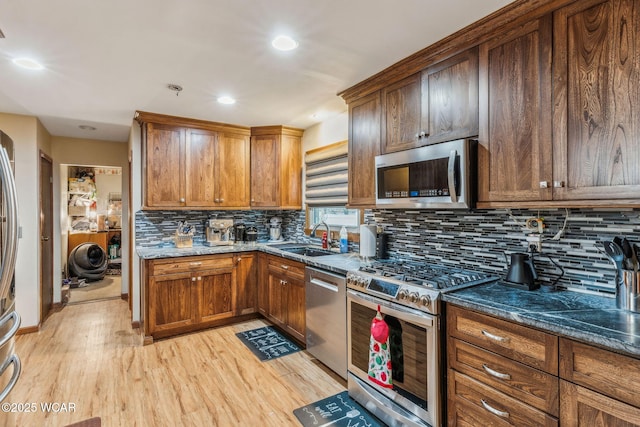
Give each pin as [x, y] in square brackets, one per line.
[315, 227]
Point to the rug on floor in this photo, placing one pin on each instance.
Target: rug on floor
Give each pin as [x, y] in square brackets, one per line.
[337, 411]
[267, 343]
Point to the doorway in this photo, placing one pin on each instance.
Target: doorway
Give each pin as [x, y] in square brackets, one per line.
[46, 235]
[93, 263]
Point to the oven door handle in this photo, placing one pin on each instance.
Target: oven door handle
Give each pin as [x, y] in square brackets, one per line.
[413, 316]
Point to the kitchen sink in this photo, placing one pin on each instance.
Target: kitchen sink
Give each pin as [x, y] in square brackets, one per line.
[309, 251]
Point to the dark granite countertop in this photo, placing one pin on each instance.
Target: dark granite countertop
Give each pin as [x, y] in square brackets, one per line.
[588, 318]
[338, 263]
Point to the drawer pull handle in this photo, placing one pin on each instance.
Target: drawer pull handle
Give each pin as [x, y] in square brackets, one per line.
[493, 410]
[494, 337]
[496, 374]
[195, 264]
[286, 267]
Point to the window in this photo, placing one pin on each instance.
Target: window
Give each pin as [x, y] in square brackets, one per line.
[334, 216]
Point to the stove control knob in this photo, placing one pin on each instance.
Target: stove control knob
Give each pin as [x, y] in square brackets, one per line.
[362, 282]
[425, 300]
[413, 297]
[402, 295]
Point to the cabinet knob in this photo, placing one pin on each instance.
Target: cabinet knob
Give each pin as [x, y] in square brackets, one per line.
[199, 277]
[221, 200]
[193, 279]
[544, 184]
[558, 184]
[182, 200]
[253, 200]
[238, 260]
[216, 200]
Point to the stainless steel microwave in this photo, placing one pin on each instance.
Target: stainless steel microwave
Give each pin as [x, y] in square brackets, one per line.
[438, 176]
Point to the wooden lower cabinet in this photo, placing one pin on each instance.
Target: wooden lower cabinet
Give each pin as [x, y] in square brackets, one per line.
[582, 407]
[190, 293]
[246, 283]
[283, 298]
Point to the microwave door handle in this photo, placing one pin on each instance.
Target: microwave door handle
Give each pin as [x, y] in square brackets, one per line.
[452, 176]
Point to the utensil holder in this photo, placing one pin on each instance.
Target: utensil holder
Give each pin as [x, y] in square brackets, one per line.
[183, 241]
[628, 291]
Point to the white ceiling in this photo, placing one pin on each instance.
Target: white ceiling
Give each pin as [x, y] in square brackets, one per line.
[105, 59]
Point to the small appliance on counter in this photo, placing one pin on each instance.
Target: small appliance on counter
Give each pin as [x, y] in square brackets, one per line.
[252, 235]
[275, 229]
[522, 273]
[239, 232]
[219, 232]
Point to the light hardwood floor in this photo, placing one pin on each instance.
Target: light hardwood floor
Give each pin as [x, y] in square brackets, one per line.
[89, 355]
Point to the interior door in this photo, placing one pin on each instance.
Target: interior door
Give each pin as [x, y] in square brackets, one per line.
[46, 235]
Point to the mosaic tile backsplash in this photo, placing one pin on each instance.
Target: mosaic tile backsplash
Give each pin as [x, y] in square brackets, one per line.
[477, 239]
[157, 228]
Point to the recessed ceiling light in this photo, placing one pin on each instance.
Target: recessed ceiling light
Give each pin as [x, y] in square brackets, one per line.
[87, 127]
[226, 100]
[283, 42]
[28, 63]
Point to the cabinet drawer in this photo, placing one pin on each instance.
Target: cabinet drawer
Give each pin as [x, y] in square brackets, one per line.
[526, 345]
[473, 403]
[290, 268]
[524, 383]
[609, 373]
[187, 264]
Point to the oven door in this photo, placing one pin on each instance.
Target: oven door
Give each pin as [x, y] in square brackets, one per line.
[415, 360]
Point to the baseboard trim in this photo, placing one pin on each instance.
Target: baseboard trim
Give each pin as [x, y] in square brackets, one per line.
[135, 324]
[124, 297]
[57, 306]
[28, 330]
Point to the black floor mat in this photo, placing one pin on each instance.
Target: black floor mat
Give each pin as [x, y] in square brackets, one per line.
[337, 411]
[267, 343]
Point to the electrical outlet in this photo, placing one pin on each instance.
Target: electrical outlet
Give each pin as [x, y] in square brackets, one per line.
[535, 240]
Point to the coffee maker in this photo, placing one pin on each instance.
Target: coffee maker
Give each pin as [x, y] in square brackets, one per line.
[219, 232]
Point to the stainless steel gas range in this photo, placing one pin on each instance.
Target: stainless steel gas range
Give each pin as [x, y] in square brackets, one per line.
[408, 294]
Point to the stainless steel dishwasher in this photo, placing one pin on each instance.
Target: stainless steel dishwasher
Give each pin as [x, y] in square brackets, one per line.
[326, 311]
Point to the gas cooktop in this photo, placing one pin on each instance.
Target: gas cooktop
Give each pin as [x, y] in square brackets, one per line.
[413, 283]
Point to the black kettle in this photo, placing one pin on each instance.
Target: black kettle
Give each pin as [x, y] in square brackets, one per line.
[522, 273]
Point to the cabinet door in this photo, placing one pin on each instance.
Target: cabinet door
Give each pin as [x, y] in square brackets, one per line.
[216, 294]
[514, 155]
[403, 115]
[277, 285]
[165, 166]
[246, 283]
[265, 185]
[171, 302]
[450, 99]
[295, 300]
[232, 175]
[200, 167]
[290, 172]
[364, 145]
[263, 284]
[581, 407]
[597, 100]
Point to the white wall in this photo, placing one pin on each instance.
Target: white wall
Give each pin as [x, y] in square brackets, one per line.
[135, 156]
[89, 152]
[334, 129]
[28, 137]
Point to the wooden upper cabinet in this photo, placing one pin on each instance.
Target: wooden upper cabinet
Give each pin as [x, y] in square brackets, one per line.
[194, 163]
[405, 119]
[438, 104]
[164, 165]
[514, 153]
[200, 167]
[451, 105]
[597, 100]
[233, 171]
[276, 167]
[364, 145]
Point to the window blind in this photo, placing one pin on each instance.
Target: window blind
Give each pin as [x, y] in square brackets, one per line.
[326, 175]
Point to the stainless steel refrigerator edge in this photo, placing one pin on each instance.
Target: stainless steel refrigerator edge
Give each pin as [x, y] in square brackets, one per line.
[9, 318]
[326, 318]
